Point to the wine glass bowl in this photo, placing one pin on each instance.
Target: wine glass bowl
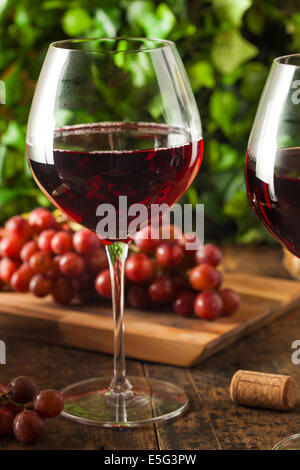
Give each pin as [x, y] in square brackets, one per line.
[115, 118]
[273, 155]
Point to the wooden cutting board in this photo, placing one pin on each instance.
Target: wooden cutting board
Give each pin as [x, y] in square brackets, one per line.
[152, 336]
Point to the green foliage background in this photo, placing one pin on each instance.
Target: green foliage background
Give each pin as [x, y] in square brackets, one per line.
[227, 47]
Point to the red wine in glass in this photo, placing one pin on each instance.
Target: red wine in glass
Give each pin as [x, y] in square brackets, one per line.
[277, 204]
[89, 166]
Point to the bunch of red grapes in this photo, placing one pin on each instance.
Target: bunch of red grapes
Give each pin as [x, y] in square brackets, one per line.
[23, 412]
[40, 255]
[44, 256]
[167, 271]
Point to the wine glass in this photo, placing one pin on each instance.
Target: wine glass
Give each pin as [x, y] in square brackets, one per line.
[114, 118]
[273, 162]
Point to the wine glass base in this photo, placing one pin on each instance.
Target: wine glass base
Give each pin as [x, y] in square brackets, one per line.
[290, 443]
[149, 401]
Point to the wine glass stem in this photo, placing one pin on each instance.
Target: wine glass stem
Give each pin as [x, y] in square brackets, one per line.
[117, 253]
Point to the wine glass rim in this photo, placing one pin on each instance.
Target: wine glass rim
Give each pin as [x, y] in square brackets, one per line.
[287, 60]
[70, 44]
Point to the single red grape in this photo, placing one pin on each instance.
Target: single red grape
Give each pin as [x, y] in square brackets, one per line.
[184, 303]
[40, 285]
[44, 240]
[169, 255]
[208, 305]
[71, 264]
[204, 277]
[96, 261]
[7, 268]
[28, 426]
[41, 219]
[103, 284]
[209, 254]
[147, 239]
[6, 421]
[231, 301]
[41, 262]
[161, 290]
[62, 291]
[23, 389]
[20, 279]
[85, 242]
[10, 247]
[138, 267]
[49, 403]
[137, 296]
[28, 250]
[62, 243]
[18, 227]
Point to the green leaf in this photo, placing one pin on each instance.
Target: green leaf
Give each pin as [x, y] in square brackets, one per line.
[223, 107]
[2, 161]
[22, 18]
[156, 23]
[55, 4]
[63, 117]
[255, 20]
[156, 107]
[76, 21]
[254, 78]
[13, 85]
[253, 235]
[106, 22]
[192, 195]
[201, 74]
[237, 206]
[221, 156]
[231, 10]
[165, 20]
[3, 6]
[230, 50]
[14, 136]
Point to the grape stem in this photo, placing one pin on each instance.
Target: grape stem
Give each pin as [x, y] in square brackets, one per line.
[117, 253]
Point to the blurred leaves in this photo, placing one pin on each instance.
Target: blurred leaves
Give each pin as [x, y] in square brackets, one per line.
[76, 21]
[201, 74]
[230, 50]
[155, 23]
[227, 47]
[231, 11]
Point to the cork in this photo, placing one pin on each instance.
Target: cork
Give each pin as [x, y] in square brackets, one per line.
[261, 390]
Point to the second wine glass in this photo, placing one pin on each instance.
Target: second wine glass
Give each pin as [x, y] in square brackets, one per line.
[273, 162]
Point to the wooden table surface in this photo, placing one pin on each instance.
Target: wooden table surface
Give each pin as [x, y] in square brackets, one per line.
[212, 421]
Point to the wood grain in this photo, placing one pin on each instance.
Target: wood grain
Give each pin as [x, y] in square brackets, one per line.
[151, 336]
[212, 420]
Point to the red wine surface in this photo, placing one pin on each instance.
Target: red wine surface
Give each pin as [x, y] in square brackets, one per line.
[278, 205]
[94, 164]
